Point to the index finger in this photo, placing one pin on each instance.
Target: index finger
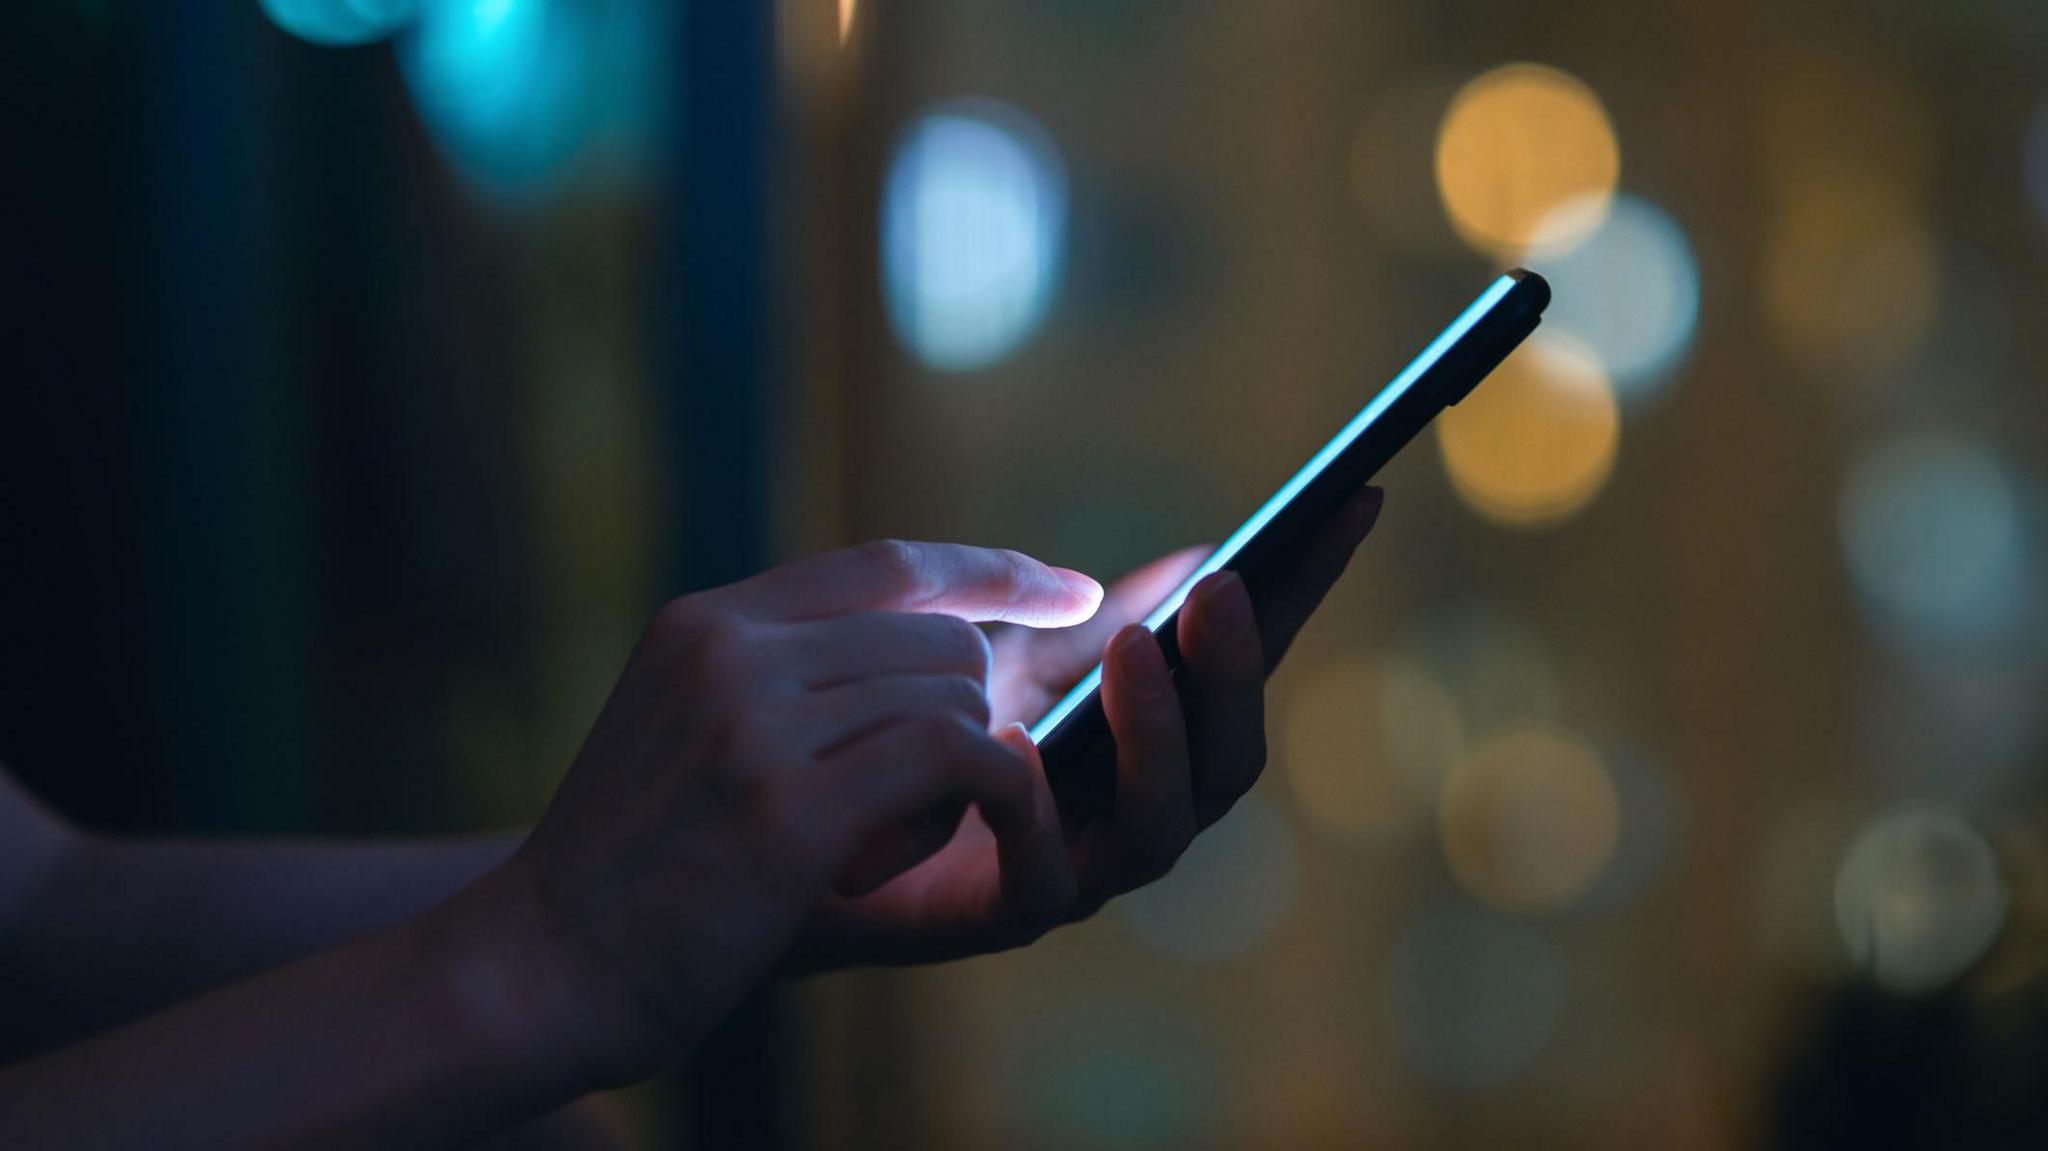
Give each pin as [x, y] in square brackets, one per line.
[1065, 655]
[981, 584]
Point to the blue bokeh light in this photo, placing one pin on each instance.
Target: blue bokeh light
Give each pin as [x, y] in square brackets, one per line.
[973, 233]
[340, 22]
[1934, 531]
[515, 90]
[1630, 291]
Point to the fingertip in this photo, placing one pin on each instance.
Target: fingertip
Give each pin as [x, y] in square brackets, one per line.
[1018, 739]
[1223, 631]
[1086, 592]
[1135, 655]
[1225, 604]
[1045, 812]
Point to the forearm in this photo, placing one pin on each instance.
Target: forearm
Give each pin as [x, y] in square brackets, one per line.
[118, 927]
[424, 1034]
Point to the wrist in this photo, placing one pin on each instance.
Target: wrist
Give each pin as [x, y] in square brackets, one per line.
[515, 989]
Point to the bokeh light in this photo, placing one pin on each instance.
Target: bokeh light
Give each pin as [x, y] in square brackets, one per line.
[1227, 893]
[340, 22]
[1368, 742]
[513, 90]
[1472, 999]
[1518, 144]
[1529, 819]
[1933, 531]
[973, 233]
[1535, 442]
[1630, 292]
[1919, 898]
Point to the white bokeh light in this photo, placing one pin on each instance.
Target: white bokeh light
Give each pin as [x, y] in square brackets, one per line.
[1630, 292]
[973, 232]
[1918, 898]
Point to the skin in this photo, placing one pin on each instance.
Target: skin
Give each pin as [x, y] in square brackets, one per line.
[794, 773]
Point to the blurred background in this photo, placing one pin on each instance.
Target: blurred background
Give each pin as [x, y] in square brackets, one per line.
[1666, 771]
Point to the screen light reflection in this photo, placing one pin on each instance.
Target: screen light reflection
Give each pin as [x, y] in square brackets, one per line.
[1222, 556]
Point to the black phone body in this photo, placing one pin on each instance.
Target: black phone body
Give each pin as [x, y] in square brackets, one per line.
[1073, 737]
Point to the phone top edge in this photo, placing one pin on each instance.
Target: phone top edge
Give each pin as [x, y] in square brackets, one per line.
[1536, 287]
[1532, 297]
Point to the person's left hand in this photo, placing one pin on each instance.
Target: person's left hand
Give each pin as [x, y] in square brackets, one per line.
[1176, 771]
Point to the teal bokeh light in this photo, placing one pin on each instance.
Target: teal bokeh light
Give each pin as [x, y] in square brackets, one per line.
[973, 233]
[1934, 530]
[516, 91]
[340, 22]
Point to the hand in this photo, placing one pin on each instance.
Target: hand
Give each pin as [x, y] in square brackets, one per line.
[767, 741]
[1176, 772]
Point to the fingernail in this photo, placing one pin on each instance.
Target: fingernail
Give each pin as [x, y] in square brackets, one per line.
[1144, 668]
[1231, 608]
[1080, 584]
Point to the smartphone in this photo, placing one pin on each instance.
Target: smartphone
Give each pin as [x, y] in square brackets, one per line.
[1073, 738]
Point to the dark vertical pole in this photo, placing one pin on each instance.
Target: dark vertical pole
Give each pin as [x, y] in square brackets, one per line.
[722, 395]
[224, 638]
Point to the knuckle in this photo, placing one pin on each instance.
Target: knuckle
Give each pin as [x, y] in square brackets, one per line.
[676, 619]
[900, 564]
[966, 697]
[720, 650]
[942, 735]
[1018, 571]
[747, 739]
[966, 646]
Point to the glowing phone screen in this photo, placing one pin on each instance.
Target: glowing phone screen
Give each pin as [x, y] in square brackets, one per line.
[1292, 488]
